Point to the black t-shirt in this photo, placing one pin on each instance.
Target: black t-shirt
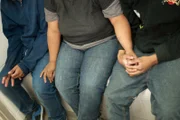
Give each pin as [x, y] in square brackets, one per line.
[156, 26]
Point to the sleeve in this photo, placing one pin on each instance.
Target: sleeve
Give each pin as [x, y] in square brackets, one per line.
[40, 47]
[50, 16]
[15, 47]
[169, 50]
[128, 10]
[50, 10]
[50, 5]
[110, 8]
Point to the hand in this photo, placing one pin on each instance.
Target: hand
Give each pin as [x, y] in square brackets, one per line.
[49, 72]
[125, 57]
[142, 64]
[16, 72]
[5, 81]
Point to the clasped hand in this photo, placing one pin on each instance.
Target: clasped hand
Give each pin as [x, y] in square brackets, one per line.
[136, 65]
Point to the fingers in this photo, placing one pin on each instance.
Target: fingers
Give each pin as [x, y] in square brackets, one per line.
[3, 79]
[16, 72]
[12, 82]
[133, 64]
[129, 57]
[134, 73]
[131, 70]
[54, 73]
[45, 77]
[53, 76]
[126, 59]
[121, 52]
[15, 75]
[6, 81]
[50, 77]
[132, 67]
[43, 74]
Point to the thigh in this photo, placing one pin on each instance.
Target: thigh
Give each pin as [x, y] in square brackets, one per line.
[164, 86]
[68, 67]
[38, 82]
[97, 66]
[122, 88]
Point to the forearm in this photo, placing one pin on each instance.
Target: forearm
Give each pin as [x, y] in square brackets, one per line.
[123, 32]
[169, 50]
[54, 40]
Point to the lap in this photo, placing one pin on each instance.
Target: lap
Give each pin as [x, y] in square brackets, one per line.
[98, 63]
[122, 86]
[68, 66]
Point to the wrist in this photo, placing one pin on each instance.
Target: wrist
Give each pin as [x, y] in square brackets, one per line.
[129, 50]
[154, 59]
[53, 61]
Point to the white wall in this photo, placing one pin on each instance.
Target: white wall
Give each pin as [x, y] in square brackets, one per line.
[3, 46]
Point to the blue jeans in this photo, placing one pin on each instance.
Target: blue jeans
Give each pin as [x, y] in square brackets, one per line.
[46, 93]
[163, 81]
[81, 76]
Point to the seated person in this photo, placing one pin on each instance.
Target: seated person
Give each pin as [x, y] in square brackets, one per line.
[155, 65]
[25, 27]
[87, 51]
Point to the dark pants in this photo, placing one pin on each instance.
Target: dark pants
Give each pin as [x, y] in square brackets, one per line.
[163, 80]
[46, 93]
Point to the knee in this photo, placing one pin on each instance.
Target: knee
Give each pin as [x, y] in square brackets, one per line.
[112, 97]
[66, 91]
[44, 89]
[91, 91]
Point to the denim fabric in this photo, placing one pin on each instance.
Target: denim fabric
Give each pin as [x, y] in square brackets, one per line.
[163, 81]
[46, 93]
[81, 76]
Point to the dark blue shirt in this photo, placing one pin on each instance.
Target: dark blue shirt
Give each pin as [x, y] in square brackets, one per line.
[26, 30]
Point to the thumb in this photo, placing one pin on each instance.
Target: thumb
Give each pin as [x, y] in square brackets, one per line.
[121, 52]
